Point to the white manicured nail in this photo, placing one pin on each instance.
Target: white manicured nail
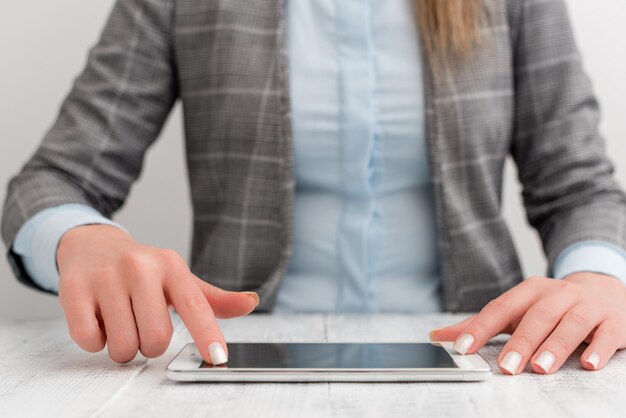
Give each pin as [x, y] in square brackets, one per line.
[217, 354]
[594, 360]
[545, 360]
[511, 362]
[463, 343]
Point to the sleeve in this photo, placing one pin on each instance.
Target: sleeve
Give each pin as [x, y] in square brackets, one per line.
[113, 113]
[37, 240]
[569, 191]
[591, 256]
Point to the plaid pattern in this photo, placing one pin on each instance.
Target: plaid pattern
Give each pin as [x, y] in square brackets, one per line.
[523, 93]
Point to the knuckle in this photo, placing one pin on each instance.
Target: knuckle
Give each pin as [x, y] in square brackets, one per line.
[502, 302]
[524, 341]
[478, 328]
[156, 342]
[544, 311]
[139, 268]
[172, 257]
[125, 339]
[195, 302]
[160, 336]
[134, 261]
[579, 318]
[560, 344]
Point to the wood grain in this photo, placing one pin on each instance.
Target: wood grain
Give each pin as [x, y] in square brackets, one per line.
[44, 374]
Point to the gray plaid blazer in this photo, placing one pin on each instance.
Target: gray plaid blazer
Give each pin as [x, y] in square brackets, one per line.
[523, 92]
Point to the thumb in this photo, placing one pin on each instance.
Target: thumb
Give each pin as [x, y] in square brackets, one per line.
[226, 303]
[450, 333]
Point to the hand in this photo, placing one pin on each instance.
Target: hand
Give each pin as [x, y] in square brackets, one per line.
[116, 291]
[548, 320]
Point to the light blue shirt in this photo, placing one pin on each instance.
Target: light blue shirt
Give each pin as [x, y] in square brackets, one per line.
[364, 233]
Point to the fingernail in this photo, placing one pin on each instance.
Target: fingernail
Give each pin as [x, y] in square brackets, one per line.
[463, 343]
[594, 360]
[217, 354]
[255, 296]
[545, 360]
[511, 362]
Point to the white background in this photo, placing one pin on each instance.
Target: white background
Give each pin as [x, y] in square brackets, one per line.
[43, 46]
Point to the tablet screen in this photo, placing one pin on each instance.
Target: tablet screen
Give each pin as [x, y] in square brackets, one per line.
[336, 356]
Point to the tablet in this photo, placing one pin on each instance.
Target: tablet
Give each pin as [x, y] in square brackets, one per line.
[331, 362]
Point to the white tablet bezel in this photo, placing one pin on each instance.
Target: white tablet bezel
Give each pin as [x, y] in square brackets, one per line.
[186, 367]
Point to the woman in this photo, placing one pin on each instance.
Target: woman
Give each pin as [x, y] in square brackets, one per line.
[330, 144]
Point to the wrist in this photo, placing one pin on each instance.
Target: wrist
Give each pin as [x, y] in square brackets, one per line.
[584, 277]
[82, 235]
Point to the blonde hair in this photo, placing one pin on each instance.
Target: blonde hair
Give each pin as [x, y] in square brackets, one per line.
[450, 28]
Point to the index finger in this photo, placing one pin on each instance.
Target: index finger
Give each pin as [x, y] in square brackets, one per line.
[198, 316]
[495, 317]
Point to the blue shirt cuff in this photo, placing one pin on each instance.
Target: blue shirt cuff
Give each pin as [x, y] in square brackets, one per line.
[591, 256]
[37, 240]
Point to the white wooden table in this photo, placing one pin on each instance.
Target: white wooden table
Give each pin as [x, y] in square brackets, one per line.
[42, 373]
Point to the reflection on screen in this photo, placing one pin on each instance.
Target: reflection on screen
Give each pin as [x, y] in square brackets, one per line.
[336, 356]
